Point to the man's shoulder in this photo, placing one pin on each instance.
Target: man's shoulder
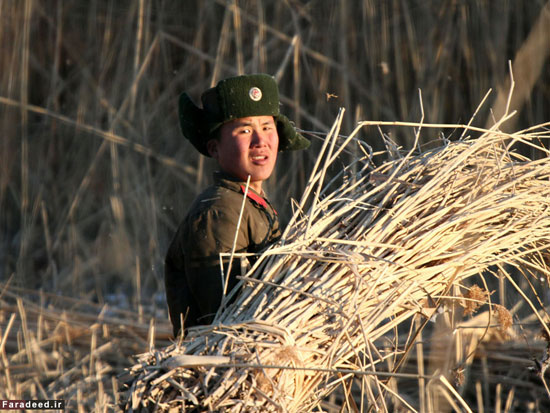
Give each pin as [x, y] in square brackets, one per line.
[217, 198]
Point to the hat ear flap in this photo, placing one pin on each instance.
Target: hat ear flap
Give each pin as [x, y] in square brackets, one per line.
[289, 138]
[193, 123]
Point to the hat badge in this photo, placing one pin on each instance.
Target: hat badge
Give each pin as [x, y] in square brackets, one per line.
[255, 94]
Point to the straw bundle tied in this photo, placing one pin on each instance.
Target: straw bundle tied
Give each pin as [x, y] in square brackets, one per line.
[363, 254]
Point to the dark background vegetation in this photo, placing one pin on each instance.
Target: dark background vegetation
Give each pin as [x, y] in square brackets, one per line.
[94, 173]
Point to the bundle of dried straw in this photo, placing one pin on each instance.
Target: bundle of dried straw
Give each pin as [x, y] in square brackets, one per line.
[361, 255]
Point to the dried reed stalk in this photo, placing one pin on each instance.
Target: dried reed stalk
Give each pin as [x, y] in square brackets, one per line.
[361, 256]
[67, 349]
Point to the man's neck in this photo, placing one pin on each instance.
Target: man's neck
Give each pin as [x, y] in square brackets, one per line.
[257, 186]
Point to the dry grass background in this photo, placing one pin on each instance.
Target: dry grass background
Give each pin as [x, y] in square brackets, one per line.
[94, 175]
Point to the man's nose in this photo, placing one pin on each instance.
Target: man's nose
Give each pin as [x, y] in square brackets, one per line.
[258, 137]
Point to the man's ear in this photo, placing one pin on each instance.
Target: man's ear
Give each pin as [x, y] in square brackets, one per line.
[212, 147]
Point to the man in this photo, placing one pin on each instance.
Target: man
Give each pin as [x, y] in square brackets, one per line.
[240, 126]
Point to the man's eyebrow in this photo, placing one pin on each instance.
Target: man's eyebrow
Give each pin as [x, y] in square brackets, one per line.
[267, 122]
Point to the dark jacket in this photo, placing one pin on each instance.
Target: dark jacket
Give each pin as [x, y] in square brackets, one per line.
[192, 269]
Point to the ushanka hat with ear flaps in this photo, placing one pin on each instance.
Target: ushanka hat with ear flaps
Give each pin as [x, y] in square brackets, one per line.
[234, 98]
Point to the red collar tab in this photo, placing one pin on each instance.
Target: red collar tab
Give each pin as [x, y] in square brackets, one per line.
[256, 198]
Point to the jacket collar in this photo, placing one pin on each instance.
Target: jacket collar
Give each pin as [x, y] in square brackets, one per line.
[229, 182]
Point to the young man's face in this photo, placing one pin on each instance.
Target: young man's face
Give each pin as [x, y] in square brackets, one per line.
[247, 146]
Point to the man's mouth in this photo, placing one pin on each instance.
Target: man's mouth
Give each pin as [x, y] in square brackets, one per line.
[259, 158]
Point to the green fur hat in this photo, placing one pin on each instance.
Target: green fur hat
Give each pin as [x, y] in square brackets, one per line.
[234, 98]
